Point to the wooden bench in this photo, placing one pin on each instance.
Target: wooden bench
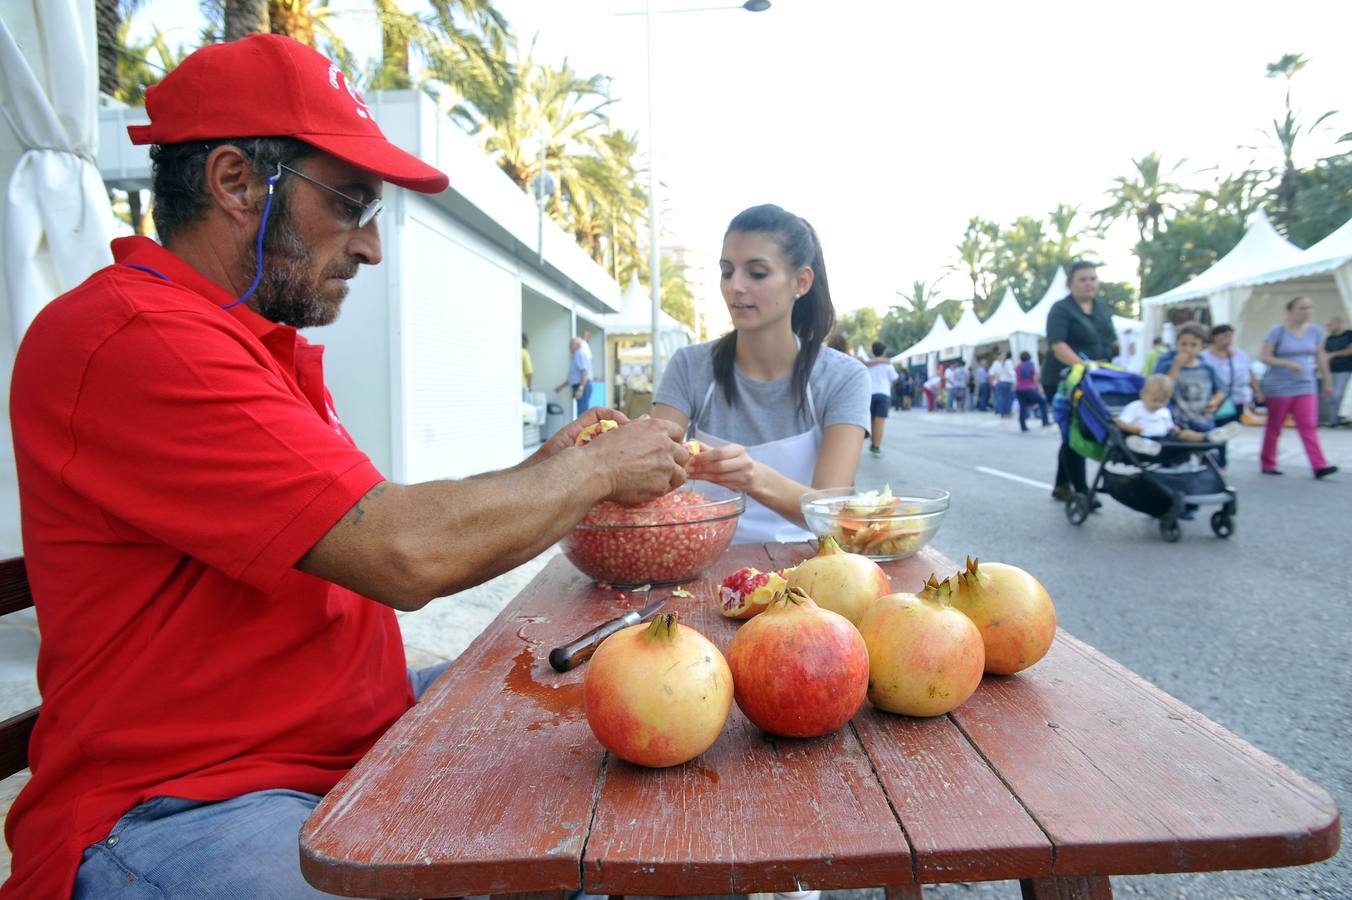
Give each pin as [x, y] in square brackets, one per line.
[15, 731]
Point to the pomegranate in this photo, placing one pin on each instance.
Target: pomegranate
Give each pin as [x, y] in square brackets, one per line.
[845, 583]
[694, 448]
[594, 430]
[747, 591]
[925, 657]
[658, 693]
[1011, 609]
[665, 540]
[798, 670]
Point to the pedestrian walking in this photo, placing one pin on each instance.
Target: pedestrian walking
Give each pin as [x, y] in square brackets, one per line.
[882, 375]
[1338, 346]
[983, 385]
[579, 373]
[1005, 379]
[956, 381]
[1028, 391]
[1234, 369]
[1079, 327]
[1294, 353]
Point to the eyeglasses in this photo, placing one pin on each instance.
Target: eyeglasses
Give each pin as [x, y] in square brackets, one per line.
[364, 212]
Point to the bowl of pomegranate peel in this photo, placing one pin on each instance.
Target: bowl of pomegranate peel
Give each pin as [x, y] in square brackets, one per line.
[665, 541]
[876, 523]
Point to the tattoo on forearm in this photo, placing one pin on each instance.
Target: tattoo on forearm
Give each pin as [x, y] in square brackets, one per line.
[354, 515]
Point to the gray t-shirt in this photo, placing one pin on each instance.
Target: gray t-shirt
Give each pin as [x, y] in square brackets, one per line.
[1282, 382]
[766, 410]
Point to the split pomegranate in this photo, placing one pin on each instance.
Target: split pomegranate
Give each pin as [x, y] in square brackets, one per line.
[925, 657]
[669, 539]
[694, 448]
[798, 670]
[592, 431]
[1011, 609]
[657, 694]
[846, 583]
[746, 592]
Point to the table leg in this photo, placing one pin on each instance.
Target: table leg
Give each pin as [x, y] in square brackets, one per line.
[1079, 887]
[903, 892]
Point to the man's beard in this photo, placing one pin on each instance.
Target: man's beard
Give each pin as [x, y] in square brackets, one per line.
[286, 294]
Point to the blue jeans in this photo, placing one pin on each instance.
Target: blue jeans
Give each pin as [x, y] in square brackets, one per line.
[245, 847]
[1004, 398]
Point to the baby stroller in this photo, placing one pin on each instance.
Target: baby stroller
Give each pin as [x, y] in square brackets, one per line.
[1183, 475]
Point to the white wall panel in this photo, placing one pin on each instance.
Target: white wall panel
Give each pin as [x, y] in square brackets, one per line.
[461, 336]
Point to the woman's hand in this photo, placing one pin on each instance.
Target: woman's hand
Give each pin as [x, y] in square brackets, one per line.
[1327, 388]
[728, 465]
[1295, 366]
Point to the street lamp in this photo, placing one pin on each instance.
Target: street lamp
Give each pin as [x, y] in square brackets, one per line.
[655, 259]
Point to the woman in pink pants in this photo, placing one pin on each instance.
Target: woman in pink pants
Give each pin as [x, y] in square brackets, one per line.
[1293, 351]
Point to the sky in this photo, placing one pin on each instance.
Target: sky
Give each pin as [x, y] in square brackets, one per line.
[888, 125]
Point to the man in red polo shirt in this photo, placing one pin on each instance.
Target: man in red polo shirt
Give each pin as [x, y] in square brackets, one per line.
[215, 564]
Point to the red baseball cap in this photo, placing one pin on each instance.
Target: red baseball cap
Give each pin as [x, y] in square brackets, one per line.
[268, 85]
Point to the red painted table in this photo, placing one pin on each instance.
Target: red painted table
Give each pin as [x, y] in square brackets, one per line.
[1061, 776]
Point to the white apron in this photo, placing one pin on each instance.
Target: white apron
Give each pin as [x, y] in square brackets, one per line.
[793, 457]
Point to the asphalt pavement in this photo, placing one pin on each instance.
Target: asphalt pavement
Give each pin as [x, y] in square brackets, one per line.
[1252, 631]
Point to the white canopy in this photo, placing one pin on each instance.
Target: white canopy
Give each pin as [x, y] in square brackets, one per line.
[1261, 250]
[1035, 320]
[57, 221]
[938, 335]
[1007, 319]
[636, 318]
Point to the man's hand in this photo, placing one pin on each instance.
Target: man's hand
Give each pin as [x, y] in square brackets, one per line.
[728, 465]
[642, 460]
[567, 435]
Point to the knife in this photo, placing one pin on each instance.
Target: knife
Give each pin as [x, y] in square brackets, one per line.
[574, 654]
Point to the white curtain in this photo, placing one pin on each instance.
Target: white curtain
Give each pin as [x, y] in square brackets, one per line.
[57, 221]
[1226, 305]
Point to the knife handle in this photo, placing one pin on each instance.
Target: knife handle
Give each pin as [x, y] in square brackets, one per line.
[570, 656]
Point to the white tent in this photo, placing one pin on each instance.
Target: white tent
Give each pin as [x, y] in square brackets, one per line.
[1007, 319]
[1035, 319]
[56, 218]
[636, 318]
[1222, 286]
[966, 334]
[927, 348]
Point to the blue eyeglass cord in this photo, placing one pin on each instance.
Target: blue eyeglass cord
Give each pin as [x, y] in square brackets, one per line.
[258, 250]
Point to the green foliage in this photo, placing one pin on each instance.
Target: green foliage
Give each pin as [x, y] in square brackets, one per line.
[861, 326]
[1022, 255]
[1324, 199]
[1121, 295]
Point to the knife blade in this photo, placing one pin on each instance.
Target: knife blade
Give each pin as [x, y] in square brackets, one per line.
[575, 653]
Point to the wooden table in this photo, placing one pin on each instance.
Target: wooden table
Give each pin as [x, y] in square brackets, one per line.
[1069, 772]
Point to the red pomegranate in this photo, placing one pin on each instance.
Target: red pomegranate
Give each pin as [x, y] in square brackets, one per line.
[746, 592]
[925, 657]
[841, 582]
[1012, 610]
[657, 694]
[798, 670]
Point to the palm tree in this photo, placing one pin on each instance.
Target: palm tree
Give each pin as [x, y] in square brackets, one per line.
[1286, 132]
[1144, 195]
[976, 251]
[241, 18]
[1067, 235]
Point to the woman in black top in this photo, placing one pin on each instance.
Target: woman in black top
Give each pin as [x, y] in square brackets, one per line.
[1079, 327]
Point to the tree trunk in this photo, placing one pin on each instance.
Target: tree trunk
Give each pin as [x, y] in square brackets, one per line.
[245, 17]
[106, 22]
[138, 221]
[293, 18]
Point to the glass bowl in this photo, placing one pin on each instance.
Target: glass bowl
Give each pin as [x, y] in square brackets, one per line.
[882, 529]
[664, 541]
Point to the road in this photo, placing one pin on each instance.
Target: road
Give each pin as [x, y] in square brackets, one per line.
[1252, 631]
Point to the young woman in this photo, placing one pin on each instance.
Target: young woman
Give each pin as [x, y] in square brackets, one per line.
[783, 414]
[1235, 371]
[1294, 352]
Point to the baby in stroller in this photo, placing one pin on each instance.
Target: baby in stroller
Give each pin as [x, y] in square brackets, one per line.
[1149, 417]
[1147, 462]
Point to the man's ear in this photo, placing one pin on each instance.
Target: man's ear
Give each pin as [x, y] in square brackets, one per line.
[232, 184]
